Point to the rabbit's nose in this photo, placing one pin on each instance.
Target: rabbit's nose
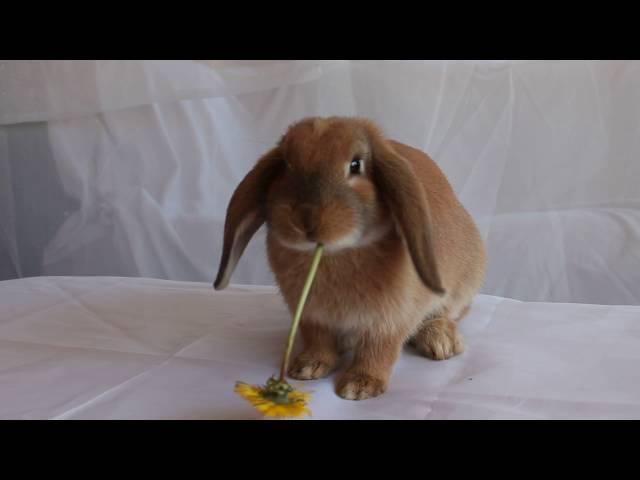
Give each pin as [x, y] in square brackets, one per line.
[307, 215]
[311, 234]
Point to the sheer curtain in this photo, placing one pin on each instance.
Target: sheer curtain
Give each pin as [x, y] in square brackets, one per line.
[125, 167]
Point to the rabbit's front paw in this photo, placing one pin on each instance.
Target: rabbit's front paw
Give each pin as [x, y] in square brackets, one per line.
[359, 386]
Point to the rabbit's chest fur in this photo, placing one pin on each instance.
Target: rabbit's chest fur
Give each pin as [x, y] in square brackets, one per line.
[373, 288]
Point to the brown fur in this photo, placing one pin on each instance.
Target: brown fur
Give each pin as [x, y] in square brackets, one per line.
[438, 339]
[320, 355]
[403, 257]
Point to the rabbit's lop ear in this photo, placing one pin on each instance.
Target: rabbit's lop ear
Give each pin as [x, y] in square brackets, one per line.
[246, 213]
[405, 197]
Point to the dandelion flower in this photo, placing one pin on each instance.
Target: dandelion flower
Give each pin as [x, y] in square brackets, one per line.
[277, 398]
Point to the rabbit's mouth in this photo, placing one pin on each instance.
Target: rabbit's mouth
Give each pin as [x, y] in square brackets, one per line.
[356, 238]
[302, 244]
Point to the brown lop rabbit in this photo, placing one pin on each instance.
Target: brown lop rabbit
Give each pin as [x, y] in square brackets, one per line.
[403, 259]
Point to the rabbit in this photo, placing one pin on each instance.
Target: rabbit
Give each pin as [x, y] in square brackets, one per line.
[402, 257]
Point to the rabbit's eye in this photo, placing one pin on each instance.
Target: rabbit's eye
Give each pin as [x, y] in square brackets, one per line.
[356, 166]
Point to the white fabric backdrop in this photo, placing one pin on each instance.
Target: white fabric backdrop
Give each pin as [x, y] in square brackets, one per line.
[126, 167]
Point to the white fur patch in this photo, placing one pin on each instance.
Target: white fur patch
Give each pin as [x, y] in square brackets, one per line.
[375, 234]
[302, 246]
[353, 239]
[347, 241]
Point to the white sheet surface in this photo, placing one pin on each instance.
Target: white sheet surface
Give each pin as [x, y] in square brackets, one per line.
[125, 348]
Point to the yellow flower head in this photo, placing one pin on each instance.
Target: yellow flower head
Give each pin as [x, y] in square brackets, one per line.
[276, 399]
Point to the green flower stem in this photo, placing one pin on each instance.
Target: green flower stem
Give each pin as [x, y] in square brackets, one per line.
[298, 314]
